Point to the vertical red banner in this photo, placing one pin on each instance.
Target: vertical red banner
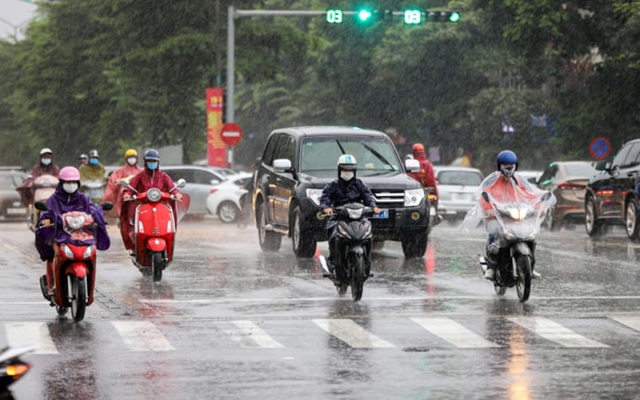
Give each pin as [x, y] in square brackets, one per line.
[216, 149]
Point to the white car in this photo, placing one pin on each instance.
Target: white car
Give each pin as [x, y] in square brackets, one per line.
[224, 200]
[457, 187]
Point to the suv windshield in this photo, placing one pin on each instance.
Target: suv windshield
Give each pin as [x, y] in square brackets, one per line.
[319, 155]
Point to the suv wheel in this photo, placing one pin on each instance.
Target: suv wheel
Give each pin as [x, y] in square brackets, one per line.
[414, 244]
[304, 246]
[591, 223]
[631, 219]
[269, 241]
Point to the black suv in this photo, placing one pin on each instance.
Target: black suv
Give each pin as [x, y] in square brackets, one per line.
[611, 198]
[298, 162]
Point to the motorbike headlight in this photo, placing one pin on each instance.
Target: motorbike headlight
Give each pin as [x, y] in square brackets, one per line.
[88, 251]
[413, 197]
[355, 214]
[314, 195]
[154, 195]
[67, 251]
[517, 214]
[76, 222]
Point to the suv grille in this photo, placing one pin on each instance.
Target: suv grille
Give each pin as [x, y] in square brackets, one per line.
[389, 198]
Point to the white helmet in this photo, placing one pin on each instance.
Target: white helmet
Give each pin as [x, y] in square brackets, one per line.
[347, 161]
[45, 150]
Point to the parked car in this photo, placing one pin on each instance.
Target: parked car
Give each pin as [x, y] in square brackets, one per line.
[611, 197]
[298, 162]
[567, 180]
[457, 187]
[224, 200]
[11, 206]
[200, 181]
[530, 176]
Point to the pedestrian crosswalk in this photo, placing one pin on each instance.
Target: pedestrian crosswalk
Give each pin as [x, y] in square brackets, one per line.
[440, 332]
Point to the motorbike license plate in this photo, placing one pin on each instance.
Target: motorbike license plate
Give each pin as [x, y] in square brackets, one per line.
[383, 214]
[15, 211]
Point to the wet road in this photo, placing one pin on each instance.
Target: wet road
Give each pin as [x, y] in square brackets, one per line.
[229, 321]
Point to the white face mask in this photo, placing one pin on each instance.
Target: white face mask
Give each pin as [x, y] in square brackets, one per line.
[70, 188]
[45, 161]
[132, 160]
[508, 172]
[347, 175]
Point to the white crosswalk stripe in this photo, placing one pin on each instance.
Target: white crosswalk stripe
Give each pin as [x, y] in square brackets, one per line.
[630, 321]
[555, 332]
[351, 333]
[248, 335]
[142, 336]
[454, 333]
[30, 333]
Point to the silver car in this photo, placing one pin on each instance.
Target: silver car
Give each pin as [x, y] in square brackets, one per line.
[457, 187]
[200, 182]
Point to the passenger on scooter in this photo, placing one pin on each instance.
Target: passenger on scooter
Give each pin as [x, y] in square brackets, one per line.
[82, 159]
[93, 169]
[150, 177]
[66, 198]
[343, 190]
[504, 185]
[113, 193]
[44, 167]
[426, 177]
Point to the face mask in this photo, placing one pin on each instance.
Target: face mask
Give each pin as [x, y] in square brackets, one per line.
[93, 161]
[508, 172]
[132, 160]
[347, 175]
[70, 187]
[152, 165]
[45, 161]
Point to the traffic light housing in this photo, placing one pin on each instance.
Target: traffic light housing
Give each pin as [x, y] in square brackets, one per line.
[412, 16]
[442, 16]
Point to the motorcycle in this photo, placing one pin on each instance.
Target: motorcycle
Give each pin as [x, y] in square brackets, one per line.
[71, 276]
[12, 368]
[43, 187]
[155, 228]
[519, 225]
[94, 189]
[353, 249]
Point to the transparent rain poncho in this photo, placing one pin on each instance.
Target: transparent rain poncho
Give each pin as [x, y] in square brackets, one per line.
[513, 203]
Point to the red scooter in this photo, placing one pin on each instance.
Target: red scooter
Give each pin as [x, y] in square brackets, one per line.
[155, 228]
[72, 272]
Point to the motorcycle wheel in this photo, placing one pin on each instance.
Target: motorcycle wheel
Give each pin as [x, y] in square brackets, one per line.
[79, 298]
[304, 245]
[157, 265]
[523, 282]
[357, 278]
[269, 241]
[500, 290]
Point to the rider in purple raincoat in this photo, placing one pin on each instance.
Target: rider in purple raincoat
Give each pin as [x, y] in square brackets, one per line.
[67, 198]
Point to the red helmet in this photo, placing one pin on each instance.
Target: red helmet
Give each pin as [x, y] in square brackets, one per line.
[417, 148]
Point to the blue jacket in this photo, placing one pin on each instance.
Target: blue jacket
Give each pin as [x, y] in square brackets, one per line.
[340, 192]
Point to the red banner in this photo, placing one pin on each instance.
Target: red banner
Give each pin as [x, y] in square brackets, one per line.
[216, 149]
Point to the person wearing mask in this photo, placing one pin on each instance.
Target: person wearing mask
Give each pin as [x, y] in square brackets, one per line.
[92, 169]
[113, 193]
[45, 166]
[344, 190]
[65, 199]
[83, 159]
[149, 177]
[425, 176]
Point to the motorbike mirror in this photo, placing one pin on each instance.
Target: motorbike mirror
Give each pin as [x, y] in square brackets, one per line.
[181, 183]
[106, 206]
[485, 196]
[545, 196]
[40, 205]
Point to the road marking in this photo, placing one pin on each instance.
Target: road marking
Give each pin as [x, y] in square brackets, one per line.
[142, 336]
[31, 333]
[554, 332]
[248, 335]
[631, 322]
[454, 333]
[351, 333]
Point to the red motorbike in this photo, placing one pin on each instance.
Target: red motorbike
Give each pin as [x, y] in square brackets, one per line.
[71, 275]
[154, 228]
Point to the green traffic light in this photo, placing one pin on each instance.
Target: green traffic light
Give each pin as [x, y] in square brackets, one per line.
[454, 17]
[364, 15]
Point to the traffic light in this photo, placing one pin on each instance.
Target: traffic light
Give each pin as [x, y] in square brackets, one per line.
[412, 17]
[443, 16]
[335, 16]
[365, 15]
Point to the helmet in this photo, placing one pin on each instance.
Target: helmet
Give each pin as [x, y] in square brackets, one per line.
[507, 157]
[417, 148]
[45, 150]
[152, 154]
[83, 157]
[347, 161]
[94, 154]
[130, 153]
[69, 174]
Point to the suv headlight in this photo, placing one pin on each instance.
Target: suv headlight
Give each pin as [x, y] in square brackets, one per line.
[413, 197]
[314, 195]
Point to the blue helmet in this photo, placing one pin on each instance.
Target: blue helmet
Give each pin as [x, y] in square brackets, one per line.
[152, 155]
[507, 157]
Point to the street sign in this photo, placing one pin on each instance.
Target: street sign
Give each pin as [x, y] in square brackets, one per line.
[231, 134]
[600, 148]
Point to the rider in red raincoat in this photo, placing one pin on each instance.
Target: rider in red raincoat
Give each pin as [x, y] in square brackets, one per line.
[113, 193]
